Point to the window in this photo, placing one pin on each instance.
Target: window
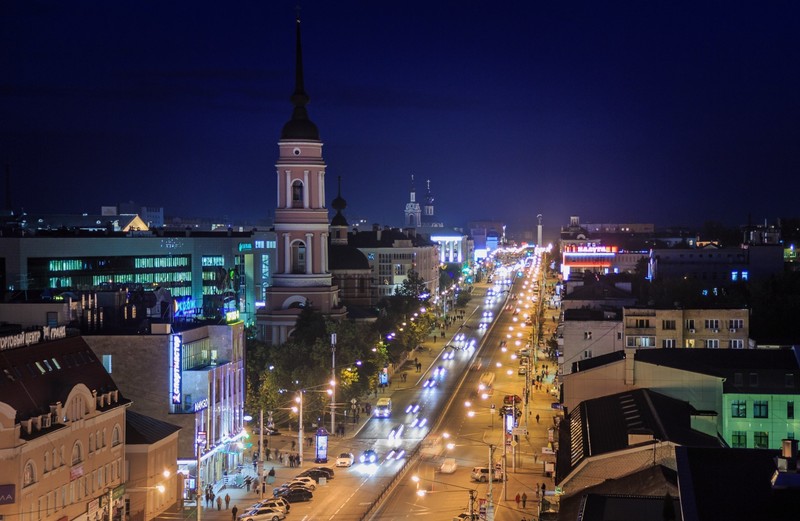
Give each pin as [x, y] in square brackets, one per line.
[753, 379]
[789, 380]
[642, 322]
[619, 335]
[760, 409]
[29, 474]
[298, 257]
[668, 325]
[739, 439]
[736, 323]
[690, 324]
[760, 440]
[77, 453]
[297, 194]
[745, 275]
[587, 353]
[668, 343]
[738, 379]
[736, 343]
[115, 436]
[739, 409]
[790, 410]
[91, 442]
[712, 343]
[711, 323]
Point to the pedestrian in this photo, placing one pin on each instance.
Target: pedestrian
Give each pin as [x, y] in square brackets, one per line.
[267, 453]
[208, 499]
[247, 483]
[416, 362]
[544, 488]
[255, 465]
[219, 503]
[294, 444]
[271, 472]
[434, 339]
[524, 499]
[234, 511]
[277, 455]
[517, 498]
[537, 418]
[227, 501]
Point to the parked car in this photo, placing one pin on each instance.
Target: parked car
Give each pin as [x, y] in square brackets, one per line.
[327, 470]
[288, 486]
[466, 516]
[276, 503]
[511, 399]
[368, 456]
[263, 514]
[294, 495]
[345, 459]
[481, 474]
[308, 482]
[314, 474]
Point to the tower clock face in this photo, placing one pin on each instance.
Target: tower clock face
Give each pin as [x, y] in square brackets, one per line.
[296, 151]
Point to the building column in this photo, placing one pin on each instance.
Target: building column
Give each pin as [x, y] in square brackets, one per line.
[288, 202]
[309, 254]
[323, 240]
[287, 254]
[306, 195]
[321, 188]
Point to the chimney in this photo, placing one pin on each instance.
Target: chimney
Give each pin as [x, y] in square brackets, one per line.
[378, 232]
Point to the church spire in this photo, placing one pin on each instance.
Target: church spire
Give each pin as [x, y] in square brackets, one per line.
[299, 127]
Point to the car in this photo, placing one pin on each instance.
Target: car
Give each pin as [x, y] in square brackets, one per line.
[430, 383]
[448, 466]
[419, 423]
[263, 514]
[276, 503]
[307, 481]
[397, 432]
[439, 372]
[412, 408]
[345, 459]
[511, 399]
[396, 454]
[449, 354]
[368, 456]
[466, 516]
[277, 491]
[325, 470]
[481, 474]
[293, 495]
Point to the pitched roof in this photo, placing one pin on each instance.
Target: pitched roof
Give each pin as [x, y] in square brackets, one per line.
[732, 484]
[771, 367]
[144, 430]
[346, 257]
[36, 376]
[602, 425]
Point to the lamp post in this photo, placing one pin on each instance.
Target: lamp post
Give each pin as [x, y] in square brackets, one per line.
[299, 400]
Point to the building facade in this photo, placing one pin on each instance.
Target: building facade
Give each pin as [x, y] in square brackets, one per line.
[62, 431]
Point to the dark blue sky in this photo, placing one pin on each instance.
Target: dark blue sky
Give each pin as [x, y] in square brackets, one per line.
[664, 112]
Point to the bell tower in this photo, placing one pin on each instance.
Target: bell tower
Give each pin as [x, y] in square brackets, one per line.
[301, 224]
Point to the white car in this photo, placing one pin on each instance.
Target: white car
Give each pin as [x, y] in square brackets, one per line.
[305, 481]
[345, 459]
[263, 514]
[277, 503]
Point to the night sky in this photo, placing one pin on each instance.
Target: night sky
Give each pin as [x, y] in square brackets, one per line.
[673, 113]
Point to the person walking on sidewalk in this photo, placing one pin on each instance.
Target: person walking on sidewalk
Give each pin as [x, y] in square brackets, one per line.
[219, 502]
[524, 499]
[517, 498]
[234, 511]
[227, 501]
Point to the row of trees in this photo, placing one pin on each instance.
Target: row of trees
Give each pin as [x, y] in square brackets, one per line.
[275, 373]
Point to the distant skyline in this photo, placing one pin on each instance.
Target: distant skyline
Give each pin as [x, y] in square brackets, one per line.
[674, 113]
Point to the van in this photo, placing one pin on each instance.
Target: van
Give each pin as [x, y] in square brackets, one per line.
[448, 466]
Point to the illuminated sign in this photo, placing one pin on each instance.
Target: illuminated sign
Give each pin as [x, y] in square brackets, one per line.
[232, 316]
[590, 248]
[245, 246]
[177, 343]
[53, 333]
[200, 405]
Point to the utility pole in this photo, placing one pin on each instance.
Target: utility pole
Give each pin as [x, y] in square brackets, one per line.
[333, 384]
[261, 455]
[490, 502]
[471, 505]
[300, 430]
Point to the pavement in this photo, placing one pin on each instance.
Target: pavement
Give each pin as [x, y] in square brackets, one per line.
[526, 478]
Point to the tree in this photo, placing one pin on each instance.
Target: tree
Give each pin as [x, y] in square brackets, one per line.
[413, 287]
